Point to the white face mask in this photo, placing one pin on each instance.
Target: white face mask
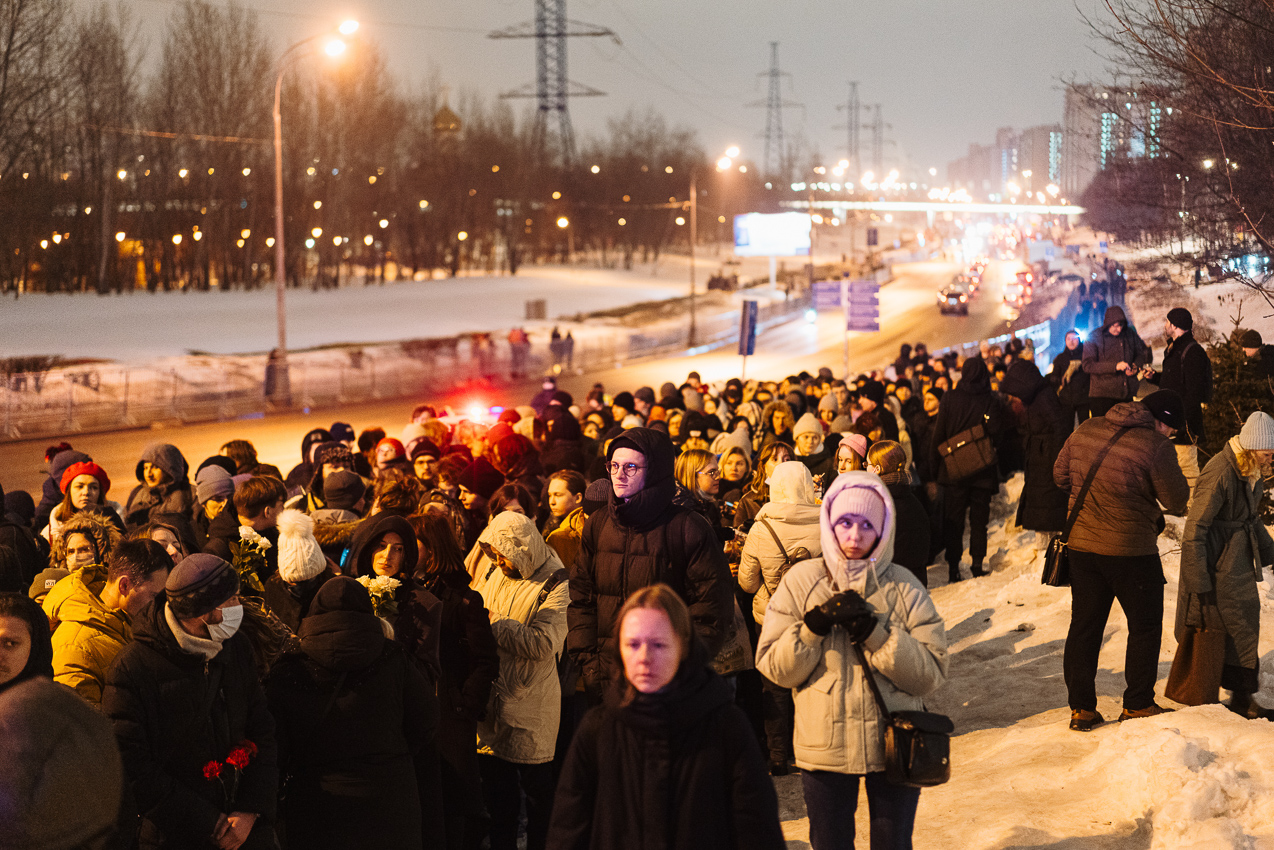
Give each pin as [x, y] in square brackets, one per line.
[231, 619]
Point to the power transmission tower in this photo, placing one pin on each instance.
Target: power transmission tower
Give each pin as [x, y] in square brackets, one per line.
[776, 160]
[553, 137]
[853, 125]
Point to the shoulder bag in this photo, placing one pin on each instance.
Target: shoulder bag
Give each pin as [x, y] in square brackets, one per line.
[917, 743]
[800, 553]
[1057, 571]
[1195, 677]
[966, 454]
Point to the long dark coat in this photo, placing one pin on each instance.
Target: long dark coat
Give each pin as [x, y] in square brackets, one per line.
[351, 779]
[1044, 430]
[1224, 548]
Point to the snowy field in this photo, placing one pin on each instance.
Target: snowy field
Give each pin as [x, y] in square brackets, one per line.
[1196, 778]
[141, 327]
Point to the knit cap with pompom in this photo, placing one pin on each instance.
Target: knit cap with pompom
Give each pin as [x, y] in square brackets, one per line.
[300, 558]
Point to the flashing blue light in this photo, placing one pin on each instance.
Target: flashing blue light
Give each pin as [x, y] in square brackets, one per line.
[811, 316]
[497, 410]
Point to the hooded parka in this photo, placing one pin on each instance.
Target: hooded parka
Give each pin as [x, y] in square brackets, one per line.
[1104, 351]
[792, 513]
[352, 710]
[1047, 424]
[839, 727]
[522, 718]
[643, 540]
[89, 635]
[172, 497]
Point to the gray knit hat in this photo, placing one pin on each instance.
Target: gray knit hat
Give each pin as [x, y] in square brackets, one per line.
[198, 584]
[1258, 433]
[213, 482]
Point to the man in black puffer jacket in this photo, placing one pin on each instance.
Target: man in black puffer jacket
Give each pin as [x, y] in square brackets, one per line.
[970, 403]
[641, 538]
[183, 694]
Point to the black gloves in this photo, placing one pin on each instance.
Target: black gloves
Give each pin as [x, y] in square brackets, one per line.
[847, 610]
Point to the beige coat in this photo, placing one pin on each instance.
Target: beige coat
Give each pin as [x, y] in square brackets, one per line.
[839, 727]
[522, 718]
[761, 561]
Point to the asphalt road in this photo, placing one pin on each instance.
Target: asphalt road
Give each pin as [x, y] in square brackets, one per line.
[909, 313]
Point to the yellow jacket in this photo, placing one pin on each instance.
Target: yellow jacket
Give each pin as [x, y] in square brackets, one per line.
[89, 634]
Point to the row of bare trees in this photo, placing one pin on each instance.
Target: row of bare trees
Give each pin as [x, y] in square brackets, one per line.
[111, 179]
[1209, 62]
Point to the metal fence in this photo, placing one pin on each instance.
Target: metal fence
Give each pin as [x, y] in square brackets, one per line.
[101, 398]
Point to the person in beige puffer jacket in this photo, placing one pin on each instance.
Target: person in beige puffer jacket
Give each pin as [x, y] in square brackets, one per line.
[853, 595]
[516, 740]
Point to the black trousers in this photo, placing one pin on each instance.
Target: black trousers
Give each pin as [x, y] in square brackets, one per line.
[956, 502]
[503, 784]
[780, 715]
[1096, 582]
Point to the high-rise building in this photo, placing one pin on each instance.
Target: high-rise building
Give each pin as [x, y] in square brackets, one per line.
[1103, 125]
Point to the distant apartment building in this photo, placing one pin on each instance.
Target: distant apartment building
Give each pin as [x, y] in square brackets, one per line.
[1103, 125]
[1017, 163]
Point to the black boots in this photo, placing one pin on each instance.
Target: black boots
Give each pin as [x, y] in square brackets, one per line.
[953, 573]
[977, 570]
[1243, 705]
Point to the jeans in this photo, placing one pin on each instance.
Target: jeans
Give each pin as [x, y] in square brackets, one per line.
[1096, 582]
[956, 501]
[503, 784]
[831, 800]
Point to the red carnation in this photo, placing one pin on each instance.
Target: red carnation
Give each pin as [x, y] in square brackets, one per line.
[249, 746]
[212, 770]
[238, 758]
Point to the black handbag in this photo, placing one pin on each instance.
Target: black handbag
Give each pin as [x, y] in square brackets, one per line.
[1057, 571]
[917, 743]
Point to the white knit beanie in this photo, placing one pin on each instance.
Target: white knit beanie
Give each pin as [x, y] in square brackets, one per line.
[300, 558]
[1258, 433]
[863, 501]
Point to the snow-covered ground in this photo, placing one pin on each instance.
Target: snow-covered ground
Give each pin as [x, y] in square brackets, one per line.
[1196, 778]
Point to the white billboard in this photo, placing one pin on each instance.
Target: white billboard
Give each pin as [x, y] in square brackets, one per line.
[772, 235]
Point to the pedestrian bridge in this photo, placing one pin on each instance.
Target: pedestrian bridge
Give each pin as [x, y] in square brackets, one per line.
[934, 207]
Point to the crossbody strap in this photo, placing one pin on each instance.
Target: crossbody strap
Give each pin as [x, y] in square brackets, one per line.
[1088, 481]
[777, 542]
[870, 673]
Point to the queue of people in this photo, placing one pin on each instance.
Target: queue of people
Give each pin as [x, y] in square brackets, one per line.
[606, 623]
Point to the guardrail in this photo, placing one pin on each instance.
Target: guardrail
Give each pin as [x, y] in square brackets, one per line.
[102, 398]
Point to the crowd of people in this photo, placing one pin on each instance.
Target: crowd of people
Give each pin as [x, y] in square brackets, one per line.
[605, 622]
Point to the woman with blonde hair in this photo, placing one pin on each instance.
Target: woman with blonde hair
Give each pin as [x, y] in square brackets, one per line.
[1223, 551]
[757, 493]
[708, 786]
[888, 460]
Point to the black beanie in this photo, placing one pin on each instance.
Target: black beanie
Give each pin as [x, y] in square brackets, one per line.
[1180, 317]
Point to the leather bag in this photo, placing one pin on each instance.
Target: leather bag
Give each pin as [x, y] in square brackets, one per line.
[917, 743]
[966, 454]
[1195, 677]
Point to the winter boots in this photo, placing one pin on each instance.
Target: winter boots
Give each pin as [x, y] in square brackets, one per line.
[1085, 721]
[1243, 705]
[1149, 711]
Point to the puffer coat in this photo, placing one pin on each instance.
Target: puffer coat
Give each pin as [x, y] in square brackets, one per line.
[1121, 514]
[641, 541]
[1223, 551]
[522, 717]
[792, 513]
[839, 727]
[89, 636]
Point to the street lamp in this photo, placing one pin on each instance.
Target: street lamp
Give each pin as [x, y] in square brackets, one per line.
[282, 386]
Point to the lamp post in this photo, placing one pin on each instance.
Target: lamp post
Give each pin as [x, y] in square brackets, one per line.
[279, 359]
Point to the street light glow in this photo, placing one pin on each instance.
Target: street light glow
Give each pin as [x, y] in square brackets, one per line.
[245, 233]
[198, 234]
[424, 204]
[119, 237]
[1207, 163]
[336, 240]
[316, 232]
[121, 174]
[563, 222]
[623, 221]
[182, 174]
[348, 28]
[723, 163]
[247, 171]
[368, 240]
[334, 47]
[680, 221]
[462, 235]
[595, 169]
[384, 222]
[269, 241]
[318, 205]
[732, 151]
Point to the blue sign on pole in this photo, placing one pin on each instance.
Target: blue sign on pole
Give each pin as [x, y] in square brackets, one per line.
[747, 329]
[873, 237]
[1102, 246]
[864, 306]
[826, 295]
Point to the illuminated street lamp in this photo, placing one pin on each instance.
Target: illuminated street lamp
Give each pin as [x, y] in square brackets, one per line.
[282, 383]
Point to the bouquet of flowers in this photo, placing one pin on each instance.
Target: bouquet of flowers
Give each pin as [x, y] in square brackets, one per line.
[382, 589]
[248, 558]
[237, 760]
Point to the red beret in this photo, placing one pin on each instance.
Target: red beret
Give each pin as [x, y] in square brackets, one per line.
[86, 468]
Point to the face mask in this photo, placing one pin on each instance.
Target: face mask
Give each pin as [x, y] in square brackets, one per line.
[231, 618]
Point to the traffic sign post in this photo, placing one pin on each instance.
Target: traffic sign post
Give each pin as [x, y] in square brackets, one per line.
[747, 334]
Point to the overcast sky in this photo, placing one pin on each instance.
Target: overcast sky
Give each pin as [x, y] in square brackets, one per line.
[949, 72]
